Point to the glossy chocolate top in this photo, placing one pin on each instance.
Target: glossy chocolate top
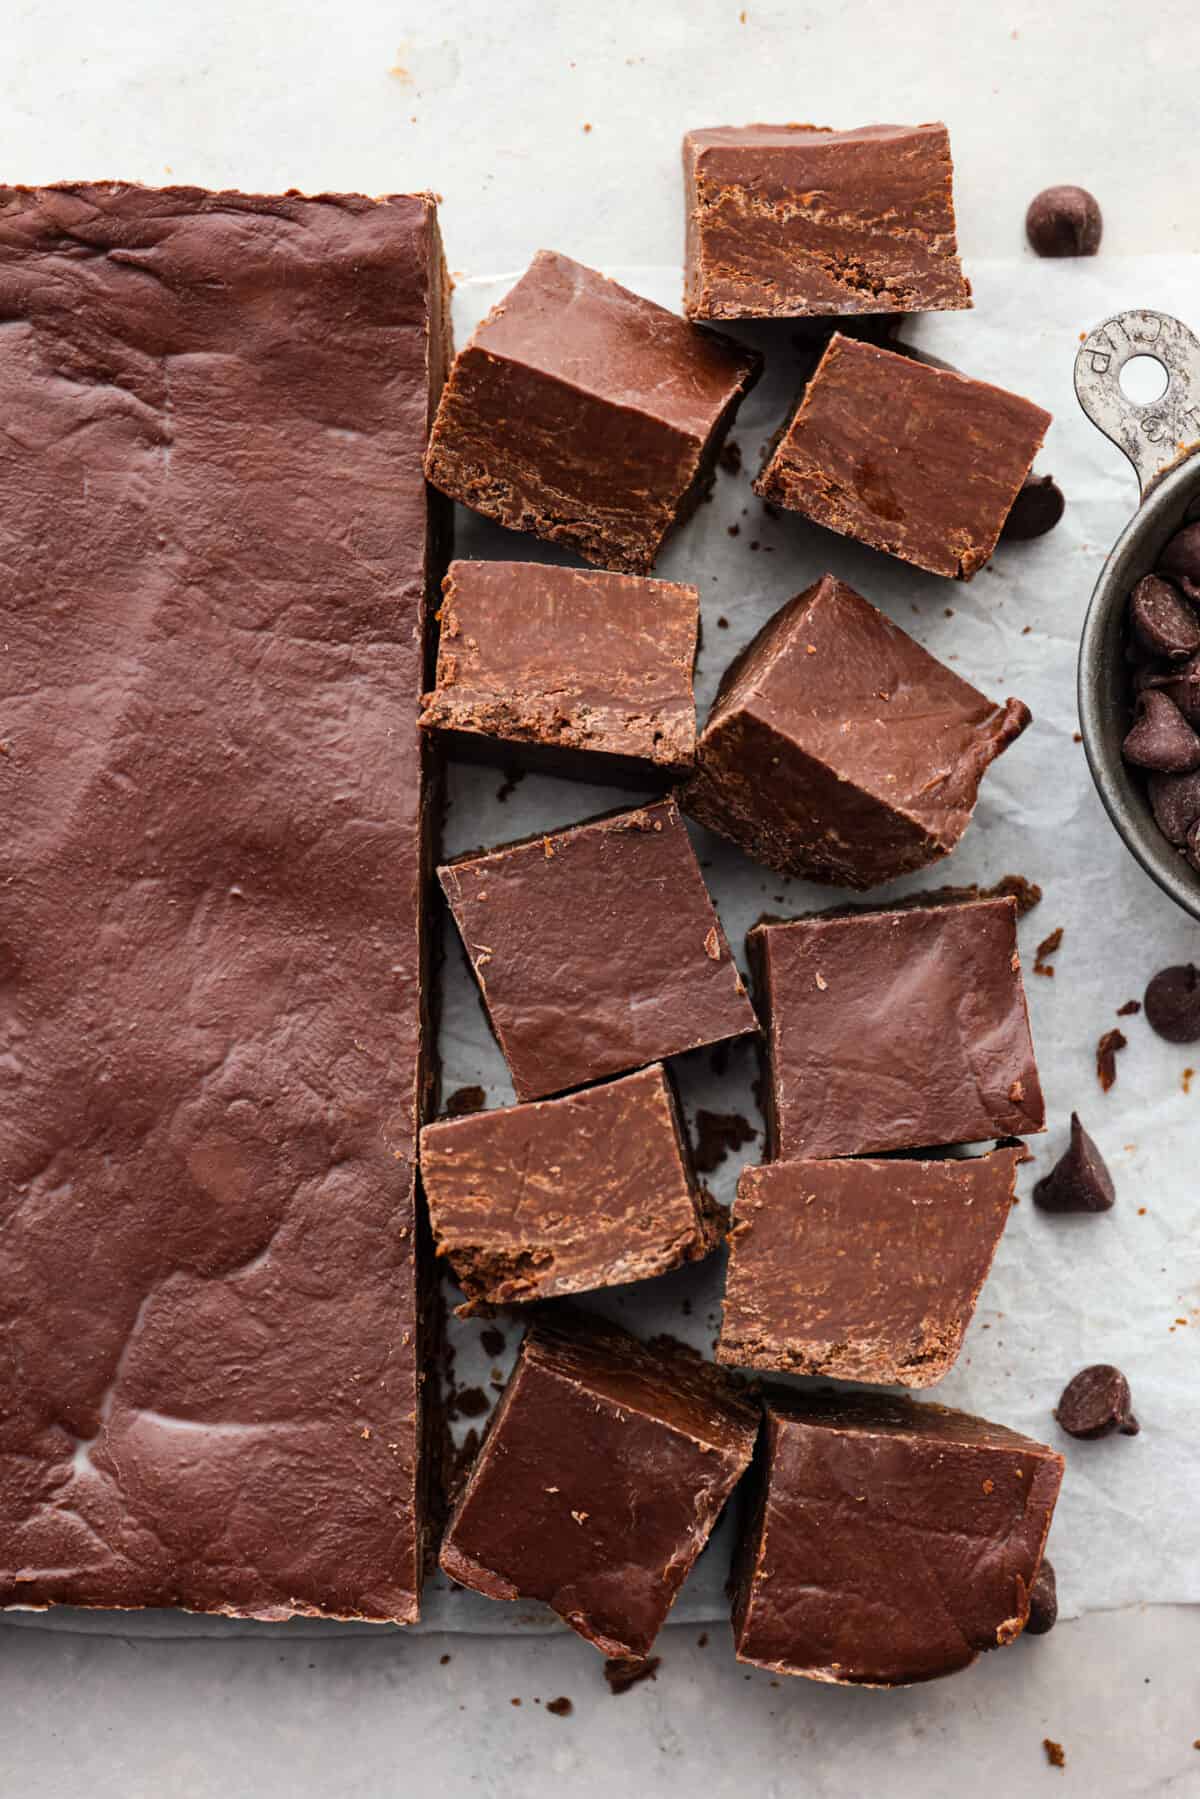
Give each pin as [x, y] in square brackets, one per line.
[596, 949]
[598, 665]
[895, 1030]
[919, 461]
[213, 521]
[788, 221]
[862, 1270]
[890, 1542]
[565, 1194]
[606, 1466]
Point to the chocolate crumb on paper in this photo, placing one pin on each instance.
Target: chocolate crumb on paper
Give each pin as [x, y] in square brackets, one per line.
[1130, 1009]
[1047, 948]
[1055, 1753]
[1106, 1057]
[622, 1672]
[560, 1707]
[464, 1100]
[719, 1134]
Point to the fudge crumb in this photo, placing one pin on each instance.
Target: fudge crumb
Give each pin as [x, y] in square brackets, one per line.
[560, 1707]
[1106, 1057]
[587, 126]
[1185, 1079]
[1076, 736]
[464, 1100]
[1129, 1009]
[734, 530]
[1026, 893]
[492, 1341]
[730, 457]
[1045, 949]
[442, 1660]
[625, 1671]
[722, 623]
[471, 1402]
[1055, 1753]
[718, 1134]
[702, 1643]
[514, 1702]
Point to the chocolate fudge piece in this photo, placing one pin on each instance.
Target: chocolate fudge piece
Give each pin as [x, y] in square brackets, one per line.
[596, 949]
[918, 461]
[862, 1270]
[587, 415]
[889, 1542]
[580, 673]
[215, 530]
[786, 221]
[839, 749]
[565, 1194]
[895, 1030]
[606, 1466]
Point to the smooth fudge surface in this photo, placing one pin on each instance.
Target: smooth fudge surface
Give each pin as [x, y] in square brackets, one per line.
[561, 1195]
[862, 1270]
[919, 461]
[888, 1542]
[788, 221]
[606, 1466]
[213, 867]
[839, 750]
[580, 672]
[894, 1030]
[587, 415]
[597, 949]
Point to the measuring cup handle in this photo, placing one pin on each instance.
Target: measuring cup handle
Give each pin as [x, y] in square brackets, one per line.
[1156, 436]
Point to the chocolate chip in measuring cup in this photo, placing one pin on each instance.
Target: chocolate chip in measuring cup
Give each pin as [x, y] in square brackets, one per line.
[1180, 560]
[1160, 737]
[1164, 622]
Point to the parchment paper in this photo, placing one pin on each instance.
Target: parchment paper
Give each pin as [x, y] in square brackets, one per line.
[1123, 1287]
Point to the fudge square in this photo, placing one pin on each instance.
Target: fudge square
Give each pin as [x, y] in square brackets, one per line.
[786, 221]
[919, 461]
[596, 949]
[840, 750]
[888, 1542]
[578, 672]
[586, 415]
[607, 1463]
[894, 1030]
[554, 1197]
[862, 1270]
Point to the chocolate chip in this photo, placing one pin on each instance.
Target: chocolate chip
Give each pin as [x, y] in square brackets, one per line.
[1164, 623]
[1043, 1602]
[1097, 1403]
[1173, 1003]
[1106, 1057]
[1064, 221]
[1192, 846]
[464, 1100]
[1160, 736]
[1183, 686]
[1175, 800]
[1079, 1180]
[1036, 509]
[1180, 561]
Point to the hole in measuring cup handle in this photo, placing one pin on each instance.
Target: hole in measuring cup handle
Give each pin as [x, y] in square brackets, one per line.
[1144, 379]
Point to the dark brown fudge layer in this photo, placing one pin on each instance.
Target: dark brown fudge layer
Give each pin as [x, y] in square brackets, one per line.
[214, 523]
[919, 461]
[606, 1466]
[895, 1030]
[889, 1542]
[591, 1190]
[579, 673]
[596, 949]
[862, 1270]
[587, 415]
[788, 221]
[838, 749]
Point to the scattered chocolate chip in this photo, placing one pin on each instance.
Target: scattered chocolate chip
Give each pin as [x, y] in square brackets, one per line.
[625, 1671]
[1180, 561]
[1037, 509]
[560, 1707]
[492, 1341]
[1045, 949]
[465, 1099]
[1163, 622]
[1175, 802]
[1096, 1403]
[1043, 1602]
[1056, 1755]
[1106, 1057]
[1064, 221]
[1173, 1003]
[730, 457]
[1079, 1180]
[1160, 737]
[718, 1134]
[1130, 1009]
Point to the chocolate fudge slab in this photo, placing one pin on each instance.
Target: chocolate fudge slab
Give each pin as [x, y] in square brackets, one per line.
[788, 221]
[894, 1030]
[862, 1270]
[596, 949]
[578, 672]
[921, 462]
[587, 415]
[215, 527]
[838, 749]
[889, 1542]
[607, 1464]
[591, 1190]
